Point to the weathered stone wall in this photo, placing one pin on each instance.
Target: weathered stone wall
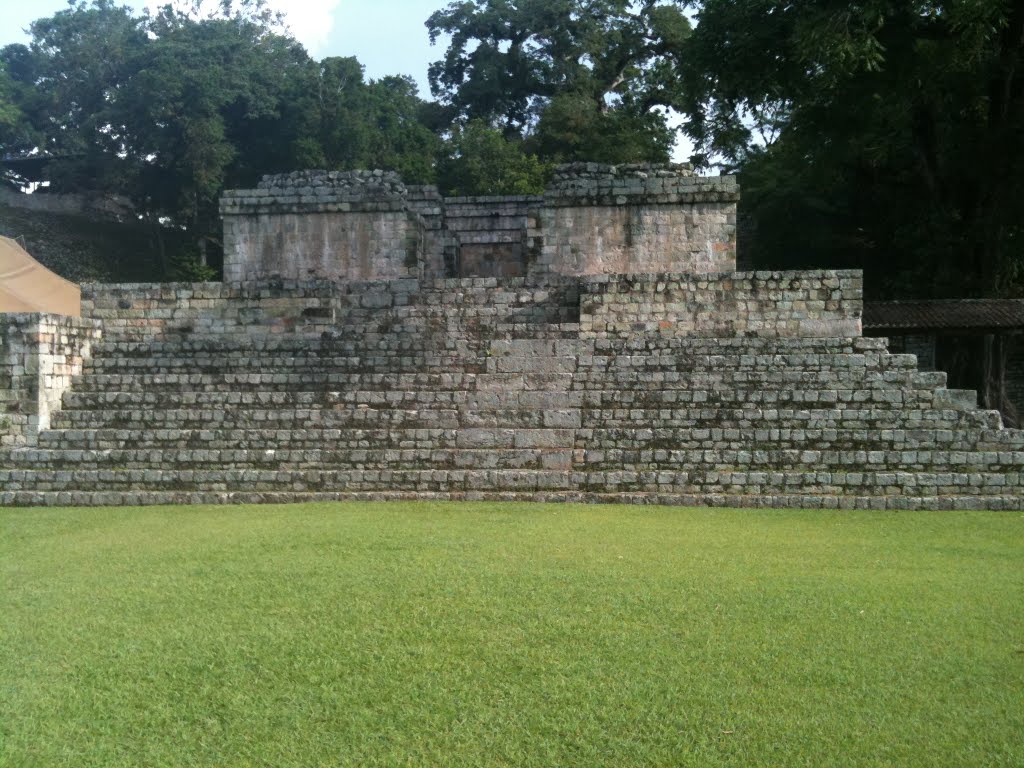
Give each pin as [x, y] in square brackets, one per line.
[794, 304]
[335, 226]
[789, 304]
[428, 403]
[39, 355]
[697, 386]
[367, 225]
[602, 220]
[483, 307]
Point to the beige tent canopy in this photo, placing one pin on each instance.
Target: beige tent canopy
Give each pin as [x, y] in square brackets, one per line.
[28, 286]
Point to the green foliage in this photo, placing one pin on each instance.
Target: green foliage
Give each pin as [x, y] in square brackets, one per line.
[372, 125]
[175, 107]
[509, 634]
[484, 162]
[603, 66]
[10, 113]
[189, 269]
[878, 136]
[573, 128]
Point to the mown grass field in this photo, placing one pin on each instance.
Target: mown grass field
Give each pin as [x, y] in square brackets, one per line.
[518, 635]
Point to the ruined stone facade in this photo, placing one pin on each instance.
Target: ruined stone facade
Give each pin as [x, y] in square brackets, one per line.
[366, 372]
[593, 220]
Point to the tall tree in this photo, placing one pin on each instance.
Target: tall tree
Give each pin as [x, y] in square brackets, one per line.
[197, 84]
[70, 79]
[605, 64]
[375, 124]
[884, 135]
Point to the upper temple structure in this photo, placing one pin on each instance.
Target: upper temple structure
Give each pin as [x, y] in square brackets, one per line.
[376, 340]
[594, 220]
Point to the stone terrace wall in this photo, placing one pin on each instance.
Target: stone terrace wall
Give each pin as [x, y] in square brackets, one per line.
[39, 354]
[487, 306]
[313, 224]
[599, 219]
[810, 304]
[485, 389]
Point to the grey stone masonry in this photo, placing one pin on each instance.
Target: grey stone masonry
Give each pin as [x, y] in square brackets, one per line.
[615, 220]
[330, 225]
[368, 225]
[39, 355]
[499, 389]
[369, 343]
[797, 304]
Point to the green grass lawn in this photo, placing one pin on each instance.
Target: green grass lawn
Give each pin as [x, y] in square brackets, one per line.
[519, 635]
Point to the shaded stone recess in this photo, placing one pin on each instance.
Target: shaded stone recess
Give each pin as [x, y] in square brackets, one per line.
[500, 389]
[491, 233]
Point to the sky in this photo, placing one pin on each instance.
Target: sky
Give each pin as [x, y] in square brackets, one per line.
[387, 36]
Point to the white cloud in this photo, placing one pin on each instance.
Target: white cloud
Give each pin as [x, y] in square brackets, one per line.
[309, 20]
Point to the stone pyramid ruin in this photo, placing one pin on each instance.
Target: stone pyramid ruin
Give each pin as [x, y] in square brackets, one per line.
[375, 340]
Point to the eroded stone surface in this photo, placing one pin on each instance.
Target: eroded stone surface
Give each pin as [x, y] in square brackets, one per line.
[627, 361]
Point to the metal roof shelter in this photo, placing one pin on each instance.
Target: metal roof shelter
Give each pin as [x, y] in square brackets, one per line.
[28, 286]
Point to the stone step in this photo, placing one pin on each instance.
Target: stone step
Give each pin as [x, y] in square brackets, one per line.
[323, 366]
[258, 381]
[712, 382]
[391, 416]
[351, 342]
[680, 361]
[673, 398]
[646, 342]
[260, 480]
[419, 398]
[871, 416]
[788, 500]
[525, 449]
[397, 436]
[551, 456]
[175, 356]
[697, 482]
[459, 411]
[872, 457]
[211, 363]
[957, 399]
[803, 482]
[761, 435]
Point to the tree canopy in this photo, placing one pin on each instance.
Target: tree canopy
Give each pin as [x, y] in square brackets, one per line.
[883, 135]
[576, 76]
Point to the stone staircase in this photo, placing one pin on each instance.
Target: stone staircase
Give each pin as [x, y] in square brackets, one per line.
[493, 390]
[257, 419]
[788, 422]
[836, 422]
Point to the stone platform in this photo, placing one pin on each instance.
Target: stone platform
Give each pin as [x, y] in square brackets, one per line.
[730, 389]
